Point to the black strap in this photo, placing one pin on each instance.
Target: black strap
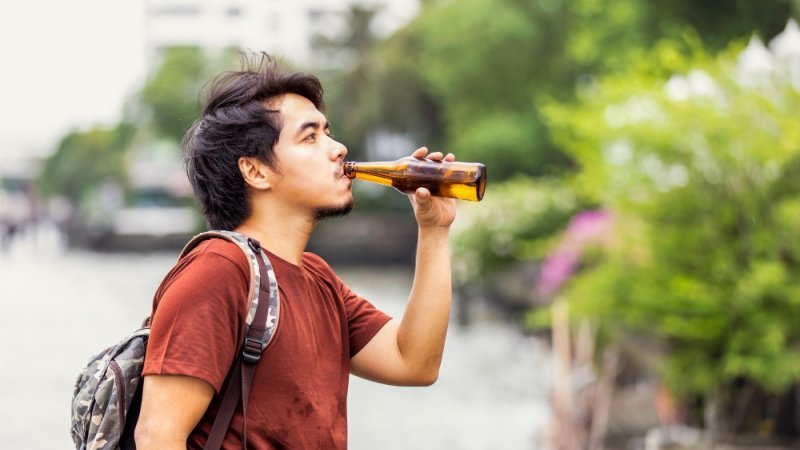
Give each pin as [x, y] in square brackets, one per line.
[244, 369]
[226, 409]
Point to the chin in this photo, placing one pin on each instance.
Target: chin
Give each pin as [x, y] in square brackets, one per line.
[329, 212]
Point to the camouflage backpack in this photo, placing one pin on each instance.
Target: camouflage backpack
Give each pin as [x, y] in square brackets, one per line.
[107, 394]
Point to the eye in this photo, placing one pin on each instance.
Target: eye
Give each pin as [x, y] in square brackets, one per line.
[311, 137]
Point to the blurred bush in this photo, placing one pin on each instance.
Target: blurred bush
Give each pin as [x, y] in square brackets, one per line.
[467, 76]
[85, 161]
[515, 223]
[171, 98]
[698, 158]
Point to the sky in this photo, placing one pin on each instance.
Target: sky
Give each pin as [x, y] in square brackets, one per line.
[64, 65]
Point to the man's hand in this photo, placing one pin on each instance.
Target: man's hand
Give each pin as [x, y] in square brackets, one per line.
[430, 211]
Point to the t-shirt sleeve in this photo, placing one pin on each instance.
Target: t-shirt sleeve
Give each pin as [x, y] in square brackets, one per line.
[364, 320]
[198, 320]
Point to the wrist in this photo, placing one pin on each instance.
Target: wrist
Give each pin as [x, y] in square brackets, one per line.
[441, 231]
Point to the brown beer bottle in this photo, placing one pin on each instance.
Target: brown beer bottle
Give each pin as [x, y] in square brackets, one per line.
[461, 180]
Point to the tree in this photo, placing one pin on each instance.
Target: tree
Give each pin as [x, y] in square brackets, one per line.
[701, 173]
[468, 76]
[170, 95]
[350, 90]
[482, 64]
[84, 160]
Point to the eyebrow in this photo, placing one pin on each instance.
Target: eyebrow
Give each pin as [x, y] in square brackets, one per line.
[313, 125]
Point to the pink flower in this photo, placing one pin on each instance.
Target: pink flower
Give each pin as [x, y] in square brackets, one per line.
[585, 229]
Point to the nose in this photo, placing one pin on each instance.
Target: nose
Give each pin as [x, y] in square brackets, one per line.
[339, 150]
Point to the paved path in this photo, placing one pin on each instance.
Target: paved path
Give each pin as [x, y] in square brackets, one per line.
[58, 308]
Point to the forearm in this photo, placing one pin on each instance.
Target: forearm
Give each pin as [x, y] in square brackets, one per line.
[146, 441]
[421, 333]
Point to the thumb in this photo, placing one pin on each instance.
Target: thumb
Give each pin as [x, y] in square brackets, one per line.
[423, 199]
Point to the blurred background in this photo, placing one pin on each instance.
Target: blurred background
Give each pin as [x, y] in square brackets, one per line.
[630, 281]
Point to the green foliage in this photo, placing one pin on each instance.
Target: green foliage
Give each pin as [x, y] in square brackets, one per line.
[351, 93]
[170, 95]
[604, 35]
[84, 160]
[468, 76]
[482, 63]
[405, 100]
[705, 188]
[719, 21]
[515, 222]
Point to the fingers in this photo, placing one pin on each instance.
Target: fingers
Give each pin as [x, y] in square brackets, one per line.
[436, 156]
[422, 153]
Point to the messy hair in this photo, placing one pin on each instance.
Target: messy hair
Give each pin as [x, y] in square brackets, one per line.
[235, 123]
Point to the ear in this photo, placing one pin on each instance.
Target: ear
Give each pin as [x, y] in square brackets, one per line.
[256, 174]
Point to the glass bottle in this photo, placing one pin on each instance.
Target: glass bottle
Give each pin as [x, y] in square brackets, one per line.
[461, 180]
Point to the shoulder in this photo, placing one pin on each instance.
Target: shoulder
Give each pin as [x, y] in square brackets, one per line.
[215, 253]
[214, 270]
[209, 262]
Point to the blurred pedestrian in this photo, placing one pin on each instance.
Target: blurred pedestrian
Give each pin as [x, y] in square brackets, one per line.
[14, 217]
[5, 222]
[263, 162]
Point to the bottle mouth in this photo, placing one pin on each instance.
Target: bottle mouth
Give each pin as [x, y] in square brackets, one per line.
[349, 169]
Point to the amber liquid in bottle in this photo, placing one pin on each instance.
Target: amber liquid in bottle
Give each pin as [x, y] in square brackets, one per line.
[461, 180]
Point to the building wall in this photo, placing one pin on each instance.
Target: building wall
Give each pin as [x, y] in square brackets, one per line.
[285, 28]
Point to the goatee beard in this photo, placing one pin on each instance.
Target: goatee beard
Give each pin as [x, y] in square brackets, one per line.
[333, 211]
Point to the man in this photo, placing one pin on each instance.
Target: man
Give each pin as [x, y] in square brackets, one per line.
[262, 162]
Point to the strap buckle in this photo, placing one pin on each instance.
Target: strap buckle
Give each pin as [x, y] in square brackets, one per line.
[254, 245]
[252, 349]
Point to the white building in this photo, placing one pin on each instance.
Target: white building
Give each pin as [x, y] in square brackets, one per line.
[284, 28]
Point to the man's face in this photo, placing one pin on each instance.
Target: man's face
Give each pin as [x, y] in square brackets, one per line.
[310, 172]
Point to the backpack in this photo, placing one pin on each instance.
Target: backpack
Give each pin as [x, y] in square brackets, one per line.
[107, 393]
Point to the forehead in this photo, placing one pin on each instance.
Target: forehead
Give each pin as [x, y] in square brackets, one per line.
[295, 109]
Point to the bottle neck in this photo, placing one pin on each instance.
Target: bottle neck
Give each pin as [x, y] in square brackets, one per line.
[350, 169]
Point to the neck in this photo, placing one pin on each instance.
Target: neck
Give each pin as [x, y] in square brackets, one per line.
[282, 231]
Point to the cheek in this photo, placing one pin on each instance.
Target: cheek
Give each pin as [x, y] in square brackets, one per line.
[304, 179]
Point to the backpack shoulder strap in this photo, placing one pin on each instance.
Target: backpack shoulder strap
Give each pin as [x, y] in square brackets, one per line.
[253, 251]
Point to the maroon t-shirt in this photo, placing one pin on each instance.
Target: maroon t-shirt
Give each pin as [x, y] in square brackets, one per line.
[298, 398]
